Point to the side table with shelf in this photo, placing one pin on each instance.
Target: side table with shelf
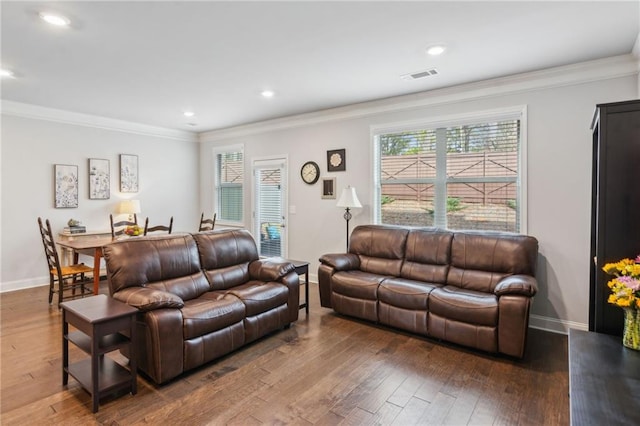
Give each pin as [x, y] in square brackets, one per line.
[302, 268]
[100, 322]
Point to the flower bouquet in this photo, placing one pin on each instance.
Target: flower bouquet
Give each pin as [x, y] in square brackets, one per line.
[625, 292]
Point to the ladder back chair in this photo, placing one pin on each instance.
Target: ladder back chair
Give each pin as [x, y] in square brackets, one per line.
[207, 224]
[148, 228]
[121, 225]
[63, 278]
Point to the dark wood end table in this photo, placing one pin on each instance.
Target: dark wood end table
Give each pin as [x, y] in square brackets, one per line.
[100, 321]
[302, 268]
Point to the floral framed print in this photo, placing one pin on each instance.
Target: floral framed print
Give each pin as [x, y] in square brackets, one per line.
[66, 186]
[99, 179]
[337, 160]
[128, 173]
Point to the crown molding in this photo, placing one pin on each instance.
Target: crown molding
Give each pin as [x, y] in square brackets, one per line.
[36, 112]
[568, 75]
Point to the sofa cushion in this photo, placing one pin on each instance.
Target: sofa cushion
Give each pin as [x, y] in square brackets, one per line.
[226, 278]
[211, 312]
[479, 260]
[259, 297]
[405, 293]
[357, 284]
[172, 262]
[381, 248]
[220, 249]
[428, 254]
[469, 306]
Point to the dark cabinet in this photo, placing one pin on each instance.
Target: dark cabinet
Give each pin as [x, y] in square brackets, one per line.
[615, 206]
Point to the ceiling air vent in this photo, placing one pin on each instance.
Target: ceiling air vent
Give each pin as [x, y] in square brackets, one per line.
[420, 74]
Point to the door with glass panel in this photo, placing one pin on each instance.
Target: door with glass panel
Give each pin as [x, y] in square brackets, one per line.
[269, 214]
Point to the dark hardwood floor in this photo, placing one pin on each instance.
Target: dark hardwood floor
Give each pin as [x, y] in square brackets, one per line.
[324, 370]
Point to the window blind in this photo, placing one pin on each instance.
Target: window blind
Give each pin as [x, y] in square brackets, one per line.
[455, 177]
[230, 185]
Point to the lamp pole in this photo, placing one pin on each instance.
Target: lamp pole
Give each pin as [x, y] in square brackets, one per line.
[347, 216]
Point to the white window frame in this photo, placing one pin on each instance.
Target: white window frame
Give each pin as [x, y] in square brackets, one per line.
[216, 184]
[509, 113]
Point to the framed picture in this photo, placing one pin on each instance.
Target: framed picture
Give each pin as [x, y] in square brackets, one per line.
[128, 173]
[328, 188]
[336, 160]
[66, 186]
[99, 179]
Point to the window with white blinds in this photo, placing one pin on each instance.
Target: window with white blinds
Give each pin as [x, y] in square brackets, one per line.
[229, 187]
[451, 176]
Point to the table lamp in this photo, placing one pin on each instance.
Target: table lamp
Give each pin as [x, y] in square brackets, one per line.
[130, 207]
[348, 200]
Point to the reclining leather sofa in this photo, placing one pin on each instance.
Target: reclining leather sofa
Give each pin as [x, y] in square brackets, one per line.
[199, 296]
[472, 288]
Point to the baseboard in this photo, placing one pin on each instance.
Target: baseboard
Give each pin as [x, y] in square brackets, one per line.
[555, 325]
[23, 284]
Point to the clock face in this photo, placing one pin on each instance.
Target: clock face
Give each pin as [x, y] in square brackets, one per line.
[310, 172]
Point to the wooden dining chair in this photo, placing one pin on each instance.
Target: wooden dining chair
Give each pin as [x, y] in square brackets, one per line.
[118, 228]
[148, 228]
[63, 278]
[207, 224]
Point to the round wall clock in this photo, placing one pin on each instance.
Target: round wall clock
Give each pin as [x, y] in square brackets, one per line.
[310, 172]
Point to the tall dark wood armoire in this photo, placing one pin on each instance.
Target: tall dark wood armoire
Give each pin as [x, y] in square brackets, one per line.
[615, 205]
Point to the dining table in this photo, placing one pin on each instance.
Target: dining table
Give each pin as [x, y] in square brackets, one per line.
[90, 247]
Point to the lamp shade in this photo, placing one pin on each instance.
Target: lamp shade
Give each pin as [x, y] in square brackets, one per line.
[349, 198]
[130, 206]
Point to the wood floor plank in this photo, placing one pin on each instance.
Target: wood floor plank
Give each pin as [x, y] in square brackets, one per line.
[325, 370]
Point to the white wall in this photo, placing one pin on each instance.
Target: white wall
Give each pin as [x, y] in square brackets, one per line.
[559, 172]
[30, 147]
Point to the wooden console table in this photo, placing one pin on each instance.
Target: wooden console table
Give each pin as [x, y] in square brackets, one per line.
[604, 380]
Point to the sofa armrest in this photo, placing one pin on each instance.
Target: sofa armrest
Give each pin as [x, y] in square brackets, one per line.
[148, 299]
[269, 269]
[525, 285]
[341, 261]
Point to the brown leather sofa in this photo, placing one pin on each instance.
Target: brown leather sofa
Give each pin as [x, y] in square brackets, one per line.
[471, 288]
[200, 296]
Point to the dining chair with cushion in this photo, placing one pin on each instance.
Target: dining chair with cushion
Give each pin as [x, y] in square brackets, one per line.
[148, 228]
[207, 224]
[63, 278]
[117, 228]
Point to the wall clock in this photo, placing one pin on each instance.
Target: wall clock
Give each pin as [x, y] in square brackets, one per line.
[310, 172]
[336, 160]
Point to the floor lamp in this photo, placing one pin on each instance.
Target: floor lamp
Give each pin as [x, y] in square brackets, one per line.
[348, 200]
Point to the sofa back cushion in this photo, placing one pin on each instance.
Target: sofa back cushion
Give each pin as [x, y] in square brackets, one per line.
[380, 248]
[479, 260]
[170, 263]
[225, 257]
[428, 254]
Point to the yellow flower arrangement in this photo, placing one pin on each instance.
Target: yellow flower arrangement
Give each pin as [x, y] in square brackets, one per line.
[625, 287]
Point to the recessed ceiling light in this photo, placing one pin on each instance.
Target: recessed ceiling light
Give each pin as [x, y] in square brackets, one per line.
[436, 50]
[189, 113]
[53, 19]
[6, 73]
[268, 93]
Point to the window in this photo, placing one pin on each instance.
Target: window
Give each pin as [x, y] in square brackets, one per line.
[452, 175]
[229, 180]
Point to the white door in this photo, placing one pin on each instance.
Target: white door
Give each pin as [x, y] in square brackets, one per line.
[270, 206]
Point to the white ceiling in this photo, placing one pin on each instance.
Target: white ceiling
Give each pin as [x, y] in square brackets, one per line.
[147, 62]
